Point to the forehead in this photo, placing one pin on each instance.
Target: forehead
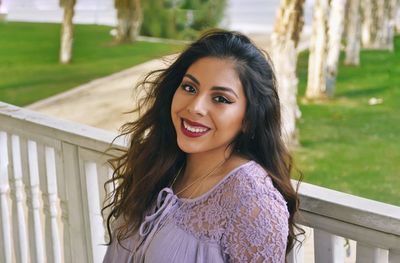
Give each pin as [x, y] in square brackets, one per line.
[215, 72]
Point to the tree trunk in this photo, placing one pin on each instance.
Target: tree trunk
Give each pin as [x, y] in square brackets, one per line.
[336, 25]
[389, 25]
[398, 17]
[316, 83]
[289, 21]
[67, 31]
[369, 23]
[379, 41]
[382, 26]
[129, 13]
[353, 34]
[288, 27]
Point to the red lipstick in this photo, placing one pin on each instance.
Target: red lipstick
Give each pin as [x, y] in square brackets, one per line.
[192, 123]
[193, 134]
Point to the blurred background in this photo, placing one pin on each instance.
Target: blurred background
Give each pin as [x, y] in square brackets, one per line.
[337, 63]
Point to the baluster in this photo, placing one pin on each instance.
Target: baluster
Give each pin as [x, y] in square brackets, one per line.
[110, 186]
[75, 248]
[110, 194]
[297, 253]
[369, 254]
[53, 202]
[328, 248]
[4, 199]
[96, 220]
[394, 256]
[35, 193]
[20, 200]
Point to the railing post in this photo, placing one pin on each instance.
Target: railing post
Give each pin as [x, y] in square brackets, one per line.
[369, 254]
[35, 202]
[4, 201]
[328, 248]
[51, 177]
[96, 220]
[69, 186]
[394, 256]
[23, 248]
[297, 253]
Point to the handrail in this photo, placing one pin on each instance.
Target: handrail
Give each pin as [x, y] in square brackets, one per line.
[78, 134]
[350, 208]
[365, 220]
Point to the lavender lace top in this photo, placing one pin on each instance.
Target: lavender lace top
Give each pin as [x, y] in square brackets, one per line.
[241, 219]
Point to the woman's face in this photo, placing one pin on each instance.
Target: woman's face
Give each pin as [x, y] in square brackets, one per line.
[208, 107]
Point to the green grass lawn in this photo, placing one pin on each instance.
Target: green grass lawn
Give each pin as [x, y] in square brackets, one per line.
[348, 145]
[29, 68]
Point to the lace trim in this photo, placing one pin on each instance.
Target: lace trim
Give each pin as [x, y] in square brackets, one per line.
[207, 217]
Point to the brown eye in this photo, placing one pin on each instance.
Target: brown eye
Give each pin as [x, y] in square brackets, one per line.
[221, 99]
[188, 88]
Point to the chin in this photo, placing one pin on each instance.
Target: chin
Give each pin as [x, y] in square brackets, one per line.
[186, 148]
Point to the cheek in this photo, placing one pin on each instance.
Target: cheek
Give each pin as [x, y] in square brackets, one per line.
[174, 103]
[232, 121]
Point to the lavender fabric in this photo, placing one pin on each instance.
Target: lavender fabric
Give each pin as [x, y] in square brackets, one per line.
[243, 218]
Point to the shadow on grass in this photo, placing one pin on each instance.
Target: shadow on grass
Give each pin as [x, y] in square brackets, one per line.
[362, 92]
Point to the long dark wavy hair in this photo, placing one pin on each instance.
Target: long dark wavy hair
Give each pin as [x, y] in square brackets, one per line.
[153, 157]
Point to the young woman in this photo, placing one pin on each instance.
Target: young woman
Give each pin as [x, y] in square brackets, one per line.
[206, 177]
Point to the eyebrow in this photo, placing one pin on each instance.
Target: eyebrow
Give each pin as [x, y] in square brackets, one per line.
[213, 88]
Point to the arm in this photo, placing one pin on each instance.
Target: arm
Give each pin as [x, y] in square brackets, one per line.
[257, 230]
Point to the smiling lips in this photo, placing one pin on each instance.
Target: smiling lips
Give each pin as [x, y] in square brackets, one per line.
[193, 129]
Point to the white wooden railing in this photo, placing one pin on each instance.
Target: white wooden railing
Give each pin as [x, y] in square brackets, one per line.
[52, 174]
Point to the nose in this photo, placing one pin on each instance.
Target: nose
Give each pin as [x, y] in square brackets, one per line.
[198, 106]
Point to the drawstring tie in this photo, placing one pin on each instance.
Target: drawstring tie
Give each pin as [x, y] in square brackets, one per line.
[166, 201]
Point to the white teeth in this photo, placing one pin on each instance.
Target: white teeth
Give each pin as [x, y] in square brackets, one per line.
[194, 129]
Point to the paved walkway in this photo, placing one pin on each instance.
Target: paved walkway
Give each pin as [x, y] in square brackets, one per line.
[101, 103]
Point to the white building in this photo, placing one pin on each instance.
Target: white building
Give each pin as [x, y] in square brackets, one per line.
[249, 16]
[87, 11]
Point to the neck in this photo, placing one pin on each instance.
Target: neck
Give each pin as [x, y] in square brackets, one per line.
[198, 165]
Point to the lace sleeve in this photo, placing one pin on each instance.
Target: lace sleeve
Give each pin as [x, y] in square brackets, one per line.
[257, 230]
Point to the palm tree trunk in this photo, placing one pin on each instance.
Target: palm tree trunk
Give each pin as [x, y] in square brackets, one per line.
[129, 13]
[369, 23]
[353, 34]
[336, 26]
[67, 32]
[137, 18]
[316, 84]
[380, 24]
[397, 22]
[288, 27]
[389, 25]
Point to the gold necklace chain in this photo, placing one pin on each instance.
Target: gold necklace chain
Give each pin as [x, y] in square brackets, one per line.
[168, 217]
[201, 179]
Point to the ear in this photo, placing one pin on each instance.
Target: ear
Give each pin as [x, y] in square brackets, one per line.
[246, 130]
[245, 127]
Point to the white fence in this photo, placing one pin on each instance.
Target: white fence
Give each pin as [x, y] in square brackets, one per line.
[51, 189]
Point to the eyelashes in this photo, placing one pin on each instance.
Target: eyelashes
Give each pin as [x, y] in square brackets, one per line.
[188, 88]
[222, 99]
[216, 98]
